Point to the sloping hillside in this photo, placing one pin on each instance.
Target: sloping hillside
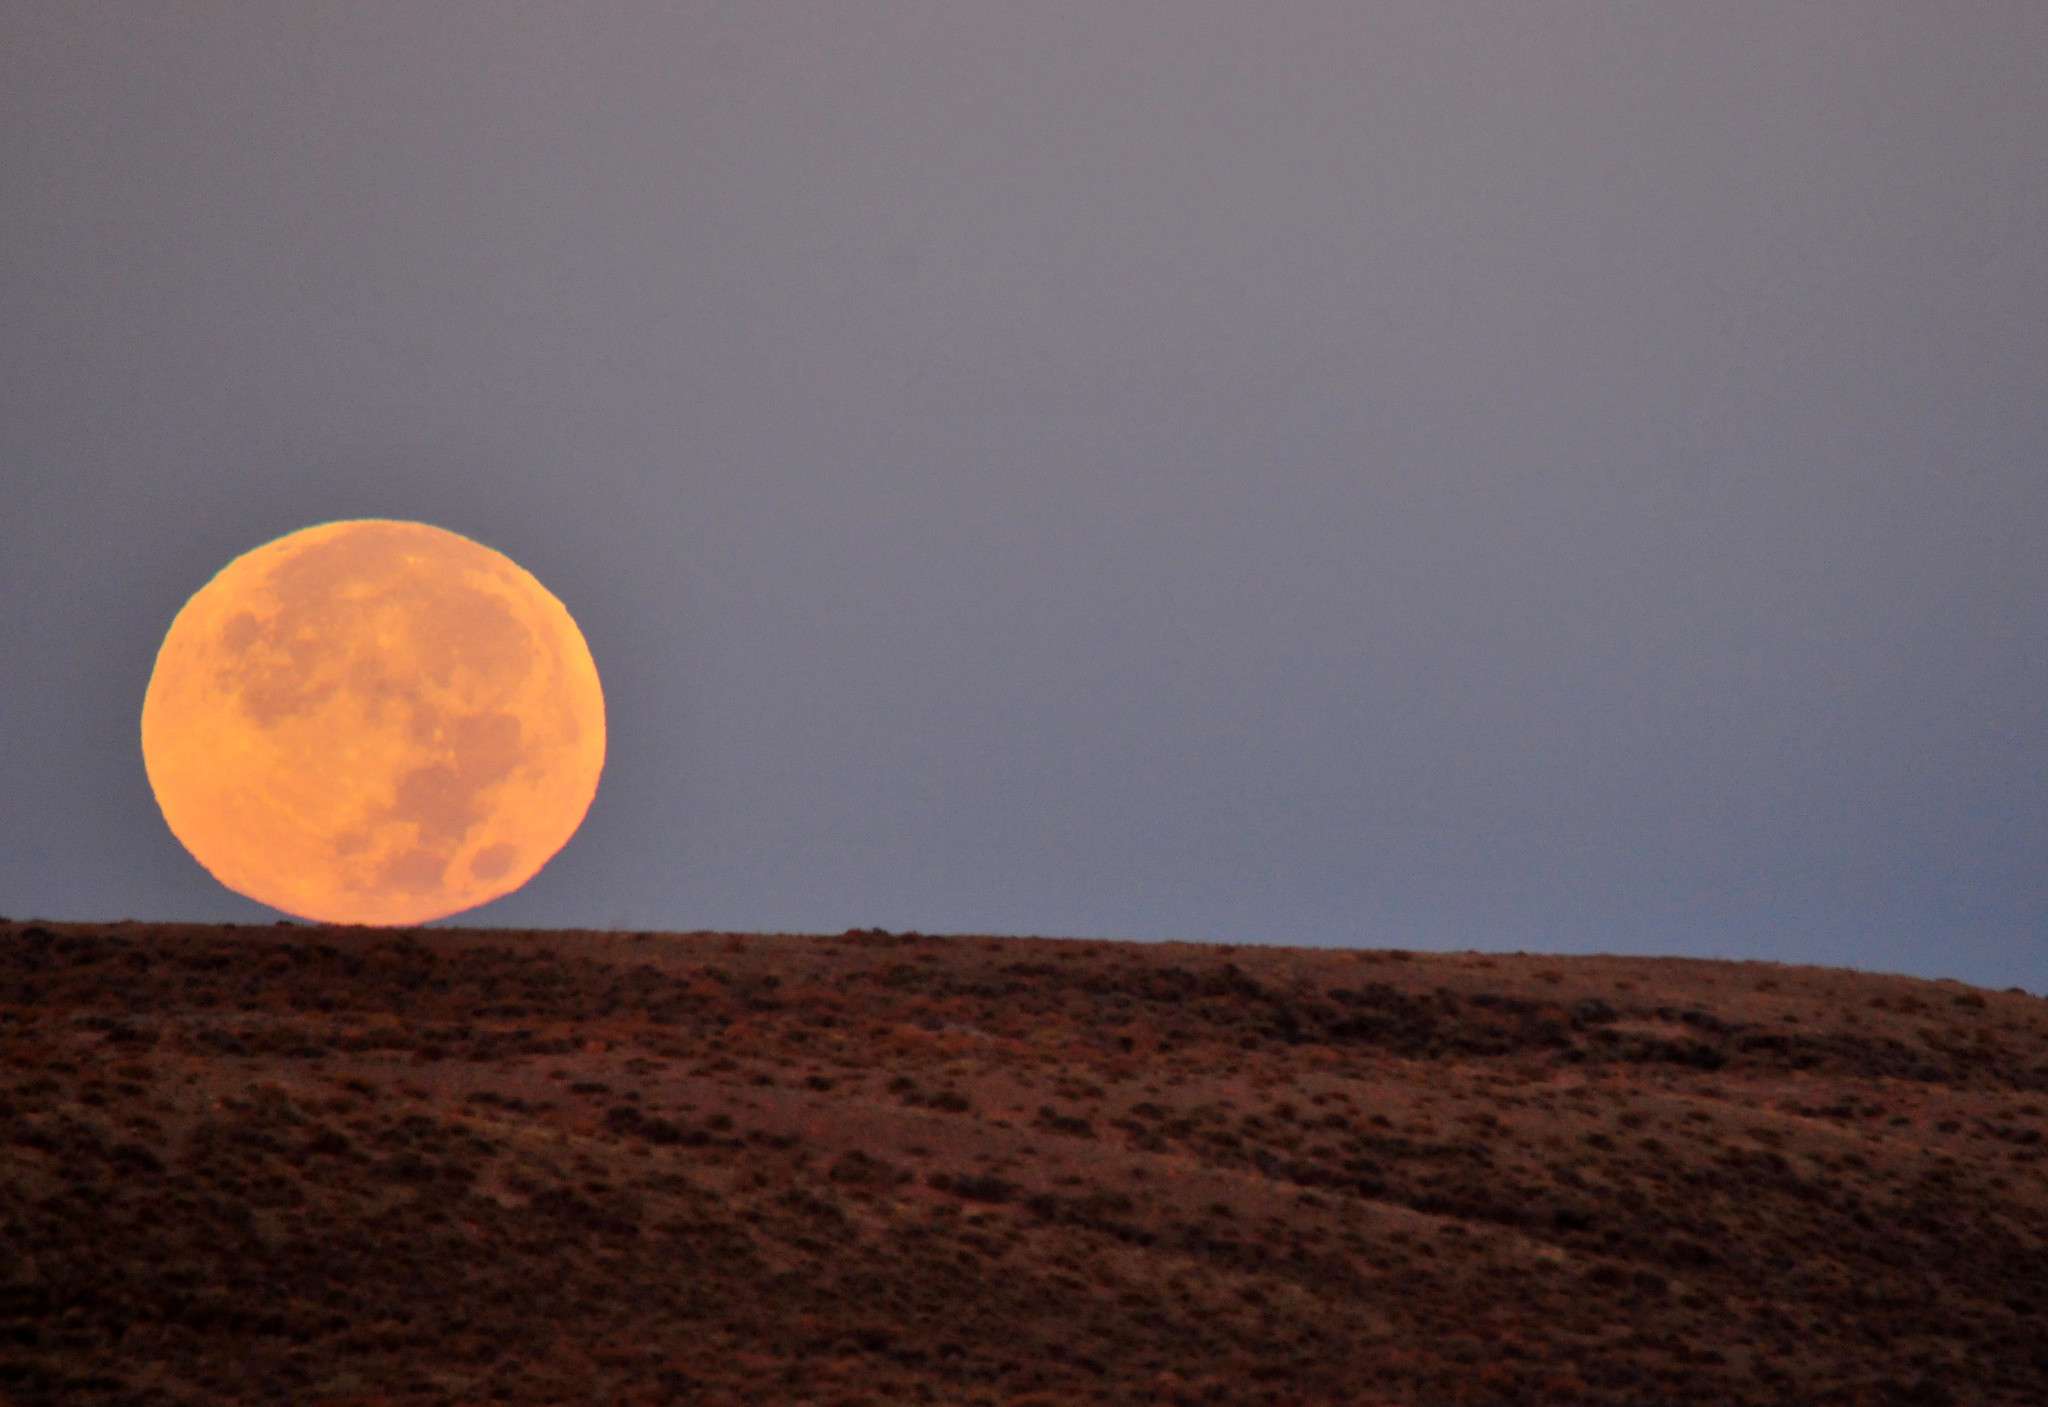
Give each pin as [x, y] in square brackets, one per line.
[347, 1166]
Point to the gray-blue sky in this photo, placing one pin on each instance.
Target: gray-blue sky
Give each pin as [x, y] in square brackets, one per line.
[1558, 475]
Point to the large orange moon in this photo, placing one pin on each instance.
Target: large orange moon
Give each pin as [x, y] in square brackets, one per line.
[373, 722]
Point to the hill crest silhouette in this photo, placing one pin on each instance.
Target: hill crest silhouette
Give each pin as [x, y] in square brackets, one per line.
[360, 1166]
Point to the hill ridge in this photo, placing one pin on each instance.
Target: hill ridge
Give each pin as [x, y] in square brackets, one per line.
[356, 1166]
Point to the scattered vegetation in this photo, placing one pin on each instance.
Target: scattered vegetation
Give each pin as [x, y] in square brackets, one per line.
[355, 1167]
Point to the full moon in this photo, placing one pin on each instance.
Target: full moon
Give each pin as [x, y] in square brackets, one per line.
[373, 722]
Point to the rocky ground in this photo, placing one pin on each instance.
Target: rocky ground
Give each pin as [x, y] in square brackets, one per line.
[351, 1166]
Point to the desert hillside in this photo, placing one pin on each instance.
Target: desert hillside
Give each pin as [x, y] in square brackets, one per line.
[349, 1166]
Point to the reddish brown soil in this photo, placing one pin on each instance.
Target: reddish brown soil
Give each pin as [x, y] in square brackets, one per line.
[347, 1166]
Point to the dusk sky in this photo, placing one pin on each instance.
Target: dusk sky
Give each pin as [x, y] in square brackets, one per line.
[1543, 476]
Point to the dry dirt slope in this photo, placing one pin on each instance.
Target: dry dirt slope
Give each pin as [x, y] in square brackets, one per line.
[341, 1166]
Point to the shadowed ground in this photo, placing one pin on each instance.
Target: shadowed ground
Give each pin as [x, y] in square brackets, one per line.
[355, 1166]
